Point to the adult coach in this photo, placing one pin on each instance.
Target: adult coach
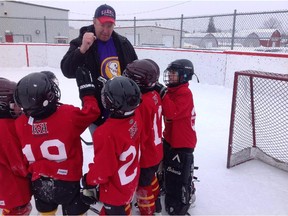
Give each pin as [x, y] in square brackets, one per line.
[101, 50]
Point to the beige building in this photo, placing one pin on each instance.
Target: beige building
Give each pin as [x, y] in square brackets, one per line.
[25, 22]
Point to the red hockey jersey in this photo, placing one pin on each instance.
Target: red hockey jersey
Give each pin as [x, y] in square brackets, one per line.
[52, 145]
[15, 186]
[179, 117]
[116, 159]
[151, 143]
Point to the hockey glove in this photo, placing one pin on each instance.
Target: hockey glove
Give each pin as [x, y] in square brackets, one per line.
[161, 89]
[89, 194]
[84, 82]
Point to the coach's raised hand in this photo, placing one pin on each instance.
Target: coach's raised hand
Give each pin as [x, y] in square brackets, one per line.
[87, 41]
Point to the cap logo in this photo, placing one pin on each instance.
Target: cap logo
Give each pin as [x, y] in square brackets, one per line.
[108, 13]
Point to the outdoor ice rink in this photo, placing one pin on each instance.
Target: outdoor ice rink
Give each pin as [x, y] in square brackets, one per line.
[252, 188]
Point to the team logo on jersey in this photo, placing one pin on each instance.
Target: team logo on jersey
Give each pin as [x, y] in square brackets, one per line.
[155, 99]
[133, 130]
[39, 128]
[110, 67]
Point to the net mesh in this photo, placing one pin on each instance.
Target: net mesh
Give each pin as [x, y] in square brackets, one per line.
[259, 119]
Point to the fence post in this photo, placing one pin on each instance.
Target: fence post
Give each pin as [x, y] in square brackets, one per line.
[45, 29]
[233, 29]
[27, 55]
[181, 31]
[134, 31]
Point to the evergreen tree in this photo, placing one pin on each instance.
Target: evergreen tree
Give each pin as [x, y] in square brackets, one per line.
[211, 26]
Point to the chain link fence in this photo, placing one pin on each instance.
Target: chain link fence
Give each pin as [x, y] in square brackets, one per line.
[257, 31]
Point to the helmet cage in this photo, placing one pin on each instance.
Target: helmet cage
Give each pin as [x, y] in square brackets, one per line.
[9, 106]
[142, 79]
[185, 74]
[144, 72]
[7, 103]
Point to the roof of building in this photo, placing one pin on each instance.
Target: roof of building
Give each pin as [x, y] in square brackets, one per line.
[148, 26]
[26, 3]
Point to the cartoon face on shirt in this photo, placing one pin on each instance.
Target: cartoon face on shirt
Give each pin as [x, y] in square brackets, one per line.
[110, 67]
[113, 67]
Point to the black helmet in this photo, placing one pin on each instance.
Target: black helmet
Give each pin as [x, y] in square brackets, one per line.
[51, 76]
[37, 95]
[120, 95]
[7, 89]
[183, 67]
[144, 72]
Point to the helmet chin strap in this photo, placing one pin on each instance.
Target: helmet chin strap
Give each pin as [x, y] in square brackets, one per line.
[196, 78]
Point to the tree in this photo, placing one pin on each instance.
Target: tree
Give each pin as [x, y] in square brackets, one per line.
[211, 26]
[272, 23]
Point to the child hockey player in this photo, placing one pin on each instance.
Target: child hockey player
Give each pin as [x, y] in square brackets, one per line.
[146, 73]
[50, 138]
[179, 136]
[15, 191]
[115, 168]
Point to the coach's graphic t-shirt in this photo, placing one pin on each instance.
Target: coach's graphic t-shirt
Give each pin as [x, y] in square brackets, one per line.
[110, 65]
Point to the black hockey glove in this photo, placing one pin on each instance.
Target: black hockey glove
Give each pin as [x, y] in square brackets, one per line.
[161, 89]
[89, 194]
[84, 82]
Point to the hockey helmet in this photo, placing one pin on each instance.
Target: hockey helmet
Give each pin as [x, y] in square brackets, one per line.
[144, 72]
[51, 76]
[7, 104]
[182, 68]
[37, 94]
[120, 95]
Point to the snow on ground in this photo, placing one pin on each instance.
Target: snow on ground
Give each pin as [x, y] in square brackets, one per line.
[252, 188]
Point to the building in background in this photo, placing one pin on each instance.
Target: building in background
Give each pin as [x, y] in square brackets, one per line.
[243, 38]
[25, 22]
[152, 36]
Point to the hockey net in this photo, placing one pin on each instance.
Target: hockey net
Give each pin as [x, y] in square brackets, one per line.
[259, 119]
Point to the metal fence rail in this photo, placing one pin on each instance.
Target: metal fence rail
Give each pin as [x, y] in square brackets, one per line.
[255, 31]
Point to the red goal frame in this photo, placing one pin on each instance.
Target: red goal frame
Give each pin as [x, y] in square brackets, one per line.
[253, 134]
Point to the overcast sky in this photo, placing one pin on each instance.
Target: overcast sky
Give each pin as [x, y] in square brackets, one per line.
[161, 9]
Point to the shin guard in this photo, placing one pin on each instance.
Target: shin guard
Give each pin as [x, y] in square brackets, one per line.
[48, 213]
[178, 181]
[145, 200]
[22, 210]
[156, 192]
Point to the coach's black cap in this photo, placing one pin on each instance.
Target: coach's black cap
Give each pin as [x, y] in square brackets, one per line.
[105, 13]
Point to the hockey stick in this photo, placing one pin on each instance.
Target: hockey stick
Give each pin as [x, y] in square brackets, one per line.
[86, 142]
[101, 81]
